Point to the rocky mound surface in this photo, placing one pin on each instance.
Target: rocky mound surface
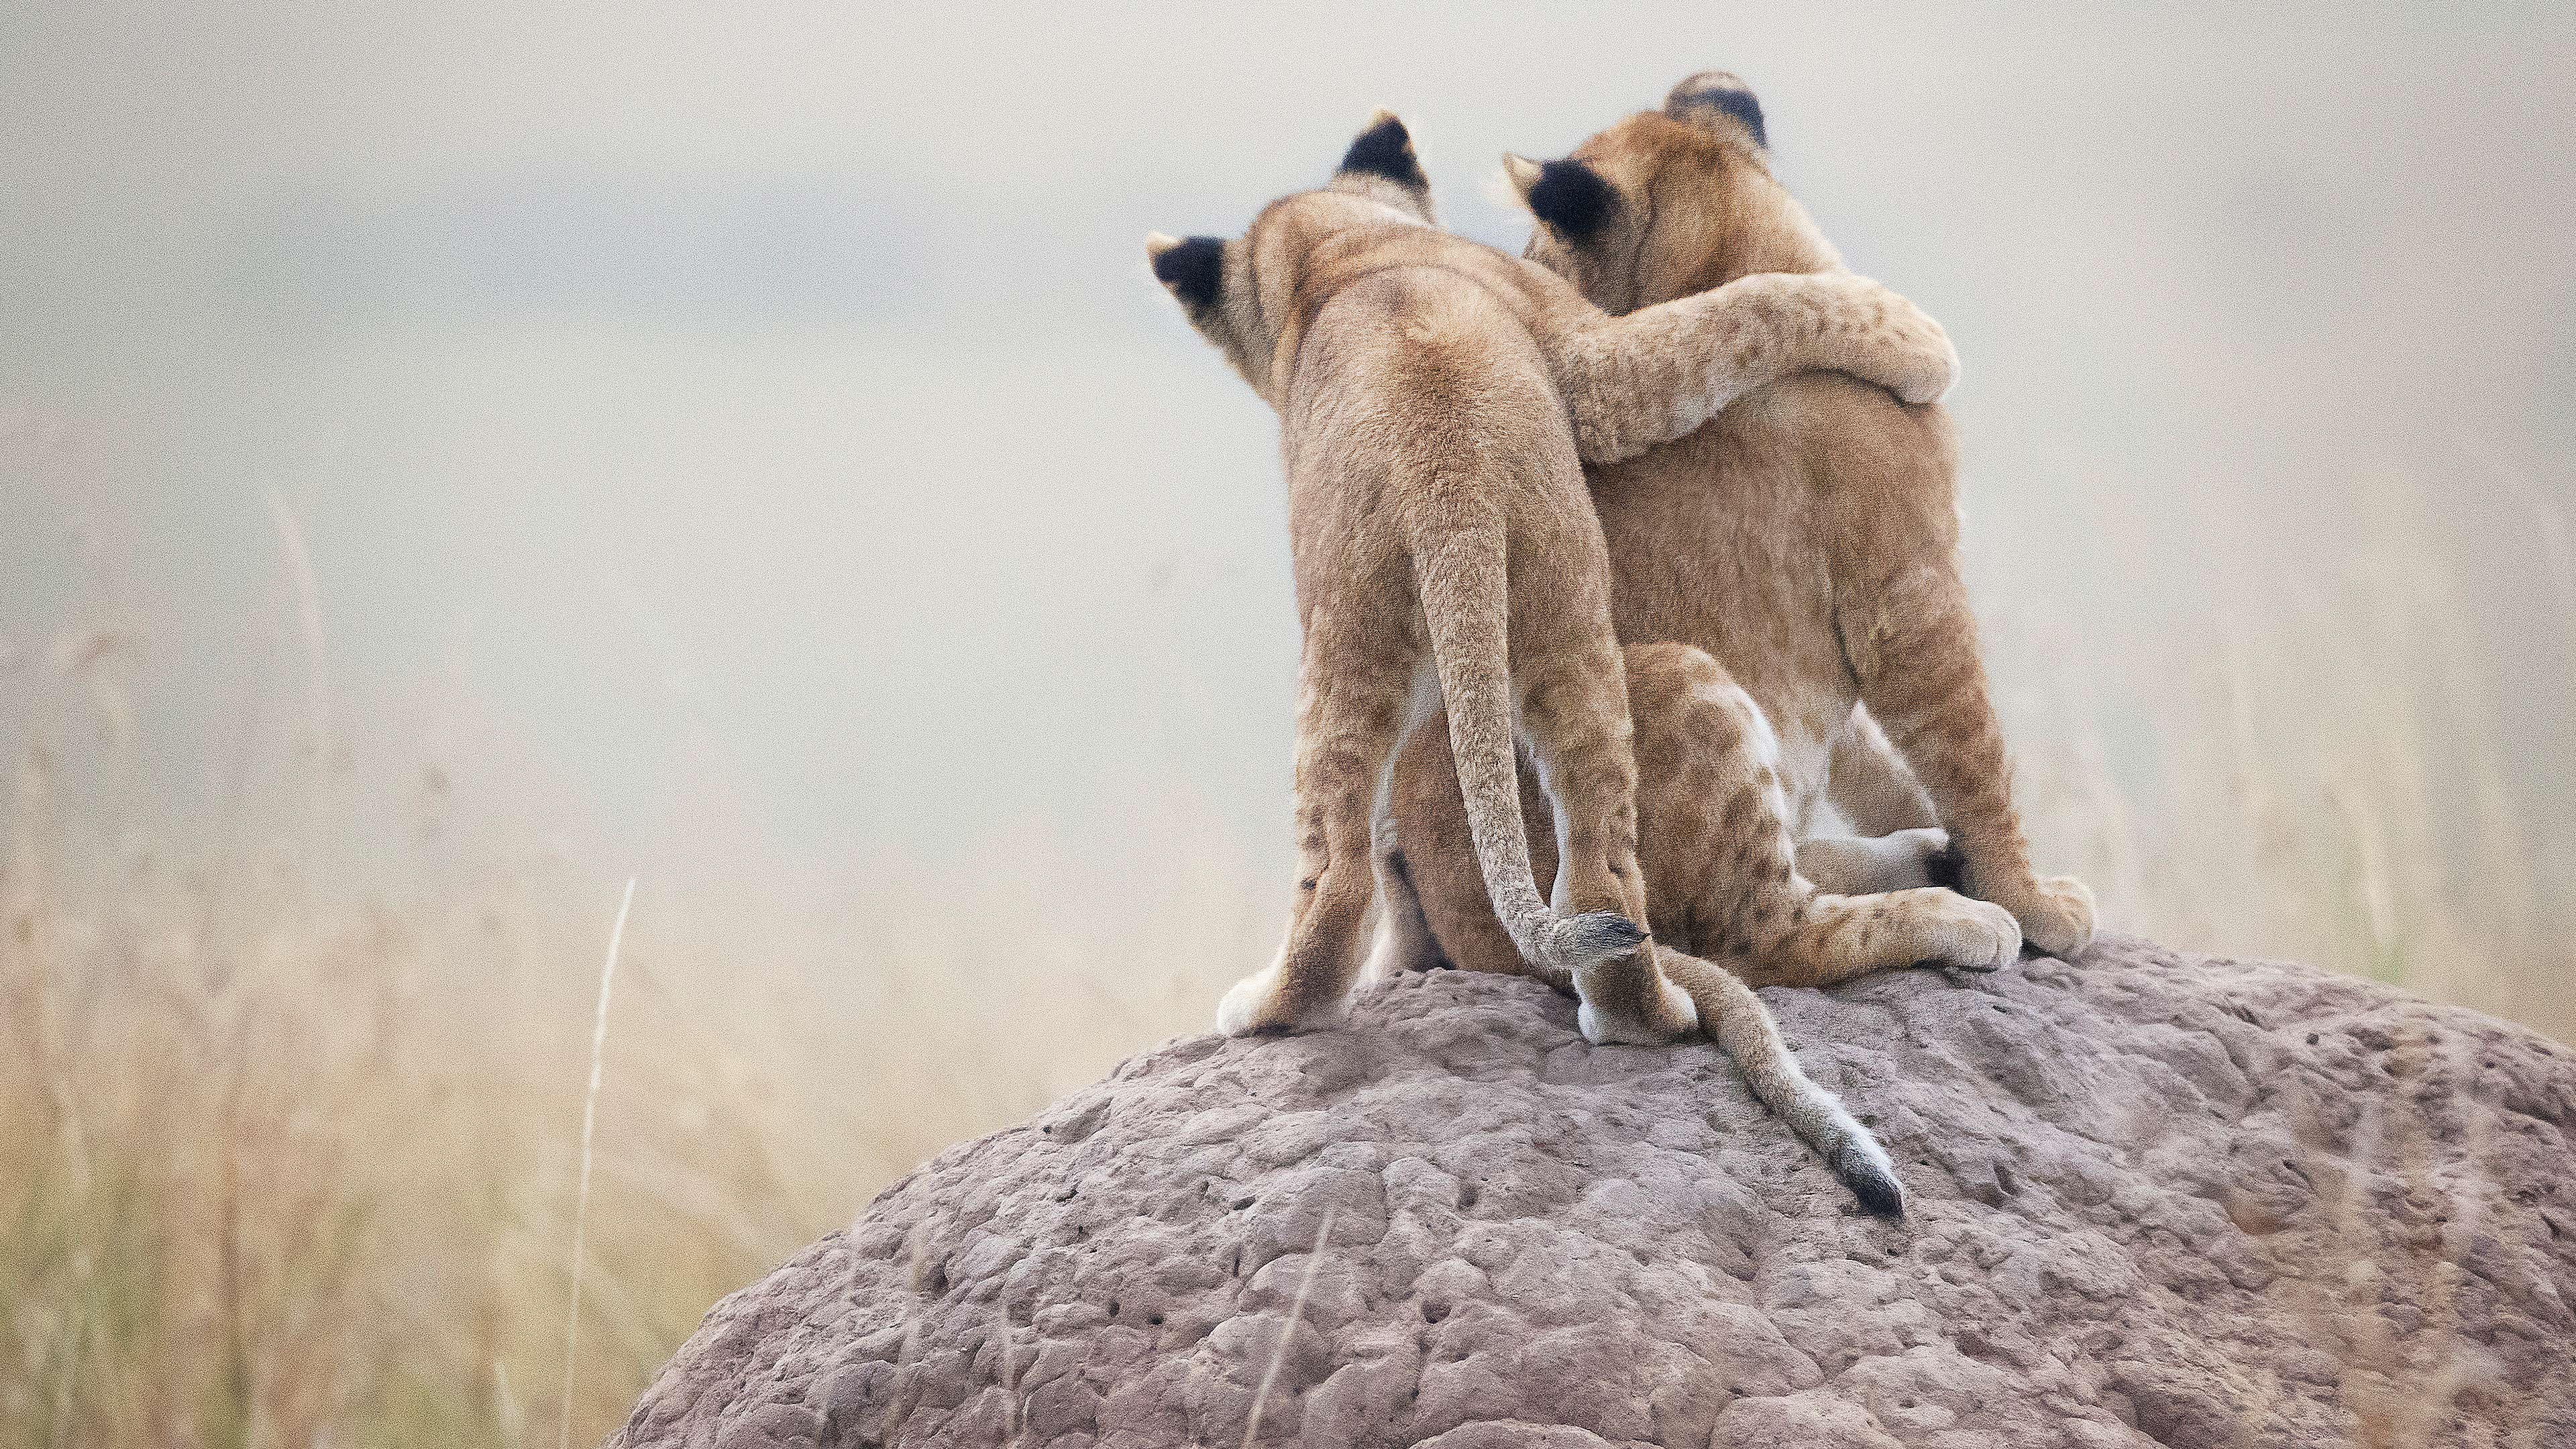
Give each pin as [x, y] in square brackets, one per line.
[2155, 1199]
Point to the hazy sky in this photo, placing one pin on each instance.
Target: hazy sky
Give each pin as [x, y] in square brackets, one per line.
[774, 391]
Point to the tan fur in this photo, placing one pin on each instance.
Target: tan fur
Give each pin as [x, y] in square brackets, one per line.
[1725, 879]
[1734, 893]
[1432, 393]
[1807, 537]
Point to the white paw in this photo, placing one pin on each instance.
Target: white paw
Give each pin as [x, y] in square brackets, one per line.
[1245, 1002]
[1254, 1005]
[1989, 937]
[1911, 859]
[1866, 865]
[1603, 1028]
[1931, 359]
[2061, 921]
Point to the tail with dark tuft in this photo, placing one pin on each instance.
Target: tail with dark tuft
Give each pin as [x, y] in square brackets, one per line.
[1872, 1182]
[1742, 1027]
[1465, 608]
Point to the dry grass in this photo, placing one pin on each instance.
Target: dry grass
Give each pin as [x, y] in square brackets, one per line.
[286, 1166]
[1288, 1328]
[589, 1134]
[2321, 777]
[285, 1172]
[287, 1163]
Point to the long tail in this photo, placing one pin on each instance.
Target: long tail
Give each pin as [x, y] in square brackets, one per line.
[1465, 603]
[1742, 1027]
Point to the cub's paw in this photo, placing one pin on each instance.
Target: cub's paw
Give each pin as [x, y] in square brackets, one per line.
[1667, 1015]
[1936, 368]
[1256, 1005]
[1871, 865]
[1975, 935]
[2059, 920]
[1903, 350]
[1925, 856]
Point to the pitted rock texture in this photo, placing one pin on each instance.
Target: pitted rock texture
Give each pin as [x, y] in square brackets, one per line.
[2155, 1199]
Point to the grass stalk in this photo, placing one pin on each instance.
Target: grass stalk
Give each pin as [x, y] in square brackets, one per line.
[317, 679]
[1296, 1313]
[581, 1193]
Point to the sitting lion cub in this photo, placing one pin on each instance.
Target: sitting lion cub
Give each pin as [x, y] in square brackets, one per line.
[1436, 399]
[1807, 538]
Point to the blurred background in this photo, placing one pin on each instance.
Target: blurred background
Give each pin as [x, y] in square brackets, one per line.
[456, 457]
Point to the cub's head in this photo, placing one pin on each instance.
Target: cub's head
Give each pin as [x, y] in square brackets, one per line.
[1669, 202]
[1242, 293]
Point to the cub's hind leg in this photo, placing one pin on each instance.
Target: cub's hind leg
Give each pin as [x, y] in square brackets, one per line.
[1858, 865]
[1354, 690]
[1825, 939]
[1895, 841]
[1574, 712]
[1870, 784]
[1912, 645]
[1429, 815]
[1405, 939]
[1724, 869]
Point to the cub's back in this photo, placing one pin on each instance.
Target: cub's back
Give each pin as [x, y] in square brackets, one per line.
[1420, 401]
[1418, 362]
[1733, 538]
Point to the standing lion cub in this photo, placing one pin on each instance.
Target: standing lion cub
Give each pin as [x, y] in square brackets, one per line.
[1436, 400]
[1805, 542]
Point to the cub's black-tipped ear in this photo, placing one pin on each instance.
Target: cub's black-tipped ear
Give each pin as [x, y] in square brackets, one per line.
[1717, 100]
[1194, 270]
[1385, 149]
[1569, 196]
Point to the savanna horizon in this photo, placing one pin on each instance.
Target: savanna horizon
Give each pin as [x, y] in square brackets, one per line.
[421, 530]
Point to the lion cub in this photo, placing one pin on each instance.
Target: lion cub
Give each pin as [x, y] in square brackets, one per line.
[1807, 537]
[1436, 398]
